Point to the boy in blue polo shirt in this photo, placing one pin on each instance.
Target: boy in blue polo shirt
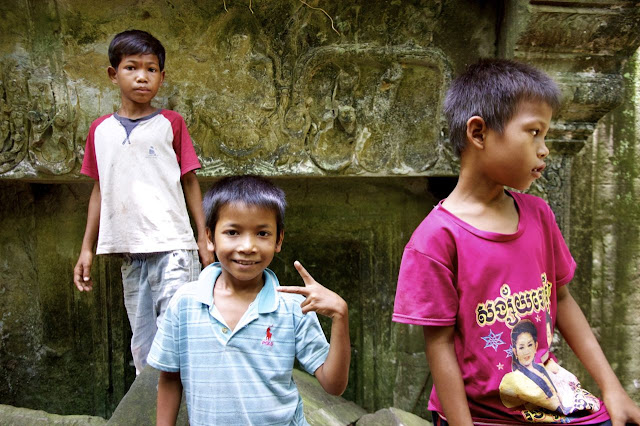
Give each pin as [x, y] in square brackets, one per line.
[231, 338]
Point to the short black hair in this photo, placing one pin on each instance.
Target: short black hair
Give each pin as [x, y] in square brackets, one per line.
[493, 89]
[135, 42]
[248, 189]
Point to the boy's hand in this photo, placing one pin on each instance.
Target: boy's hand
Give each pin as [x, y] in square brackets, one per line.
[621, 408]
[82, 271]
[318, 298]
[206, 256]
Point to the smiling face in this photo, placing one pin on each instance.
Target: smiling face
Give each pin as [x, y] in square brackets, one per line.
[525, 349]
[139, 78]
[515, 158]
[245, 241]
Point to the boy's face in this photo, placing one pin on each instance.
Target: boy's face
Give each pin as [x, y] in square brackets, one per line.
[515, 158]
[245, 240]
[138, 76]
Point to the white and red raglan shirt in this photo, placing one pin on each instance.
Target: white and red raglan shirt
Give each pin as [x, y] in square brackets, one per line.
[498, 291]
[139, 164]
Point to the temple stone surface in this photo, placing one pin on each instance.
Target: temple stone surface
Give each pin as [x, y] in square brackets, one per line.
[341, 103]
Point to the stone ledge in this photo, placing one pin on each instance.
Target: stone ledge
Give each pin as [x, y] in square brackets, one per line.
[15, 416]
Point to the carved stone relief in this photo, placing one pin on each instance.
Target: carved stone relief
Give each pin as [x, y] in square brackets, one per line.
[38, 119]
[348, 109]
[14, 117]
[371, 110]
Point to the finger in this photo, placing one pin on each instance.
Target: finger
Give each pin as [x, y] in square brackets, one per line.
[77, 277]
[85, 278]
[305, 302]
[306, 277]
[294, 289]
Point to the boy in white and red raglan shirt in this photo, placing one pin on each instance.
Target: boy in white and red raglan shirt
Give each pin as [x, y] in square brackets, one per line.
[142, 160]
[485, 273]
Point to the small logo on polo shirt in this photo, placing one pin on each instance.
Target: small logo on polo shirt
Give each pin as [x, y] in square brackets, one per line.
[267, 341]
[152, 152]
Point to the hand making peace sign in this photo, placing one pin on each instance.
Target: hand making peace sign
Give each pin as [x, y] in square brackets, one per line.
[318, 298]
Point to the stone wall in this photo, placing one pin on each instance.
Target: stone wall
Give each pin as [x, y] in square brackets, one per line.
[344, 109]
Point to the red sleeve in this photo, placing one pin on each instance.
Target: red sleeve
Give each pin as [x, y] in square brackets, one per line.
[89, 162]
[182, 143]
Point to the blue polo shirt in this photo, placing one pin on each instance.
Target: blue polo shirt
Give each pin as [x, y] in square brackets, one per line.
[244, 376]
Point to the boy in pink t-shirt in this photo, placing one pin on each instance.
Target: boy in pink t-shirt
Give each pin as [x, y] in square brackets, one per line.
[485, 273]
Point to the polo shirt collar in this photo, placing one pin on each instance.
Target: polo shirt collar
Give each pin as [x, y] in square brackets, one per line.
[267, 298]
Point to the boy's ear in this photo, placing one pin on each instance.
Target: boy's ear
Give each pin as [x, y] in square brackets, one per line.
[161, 77]
[476, 131]
[111, 72]
[210, 245]
[279, 243]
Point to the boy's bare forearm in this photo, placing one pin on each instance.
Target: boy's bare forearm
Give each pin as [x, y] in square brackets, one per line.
[193, 196]
[333, 375]
[82, 270]
[169, 398]
[93, 219]
[446, 374]
[576, 331]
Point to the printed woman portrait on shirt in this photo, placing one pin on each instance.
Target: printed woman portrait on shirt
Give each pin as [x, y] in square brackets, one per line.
[571, 394]
[528, 384]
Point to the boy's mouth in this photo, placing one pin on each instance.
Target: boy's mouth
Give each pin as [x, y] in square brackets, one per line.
[245, 262]
[537, 171]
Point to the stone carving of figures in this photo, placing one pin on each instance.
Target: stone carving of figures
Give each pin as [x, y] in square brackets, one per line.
[334, 136]
[5, 126]
[54, 151]
[51, 140]
[15, 143]
[16, 147]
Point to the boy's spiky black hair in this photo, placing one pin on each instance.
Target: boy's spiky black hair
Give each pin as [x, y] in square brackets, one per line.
[492, 89]
[248, 189]
[135, 42]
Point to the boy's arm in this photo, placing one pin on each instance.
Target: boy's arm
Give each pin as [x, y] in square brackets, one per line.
[82, 270]
[333, 375]
[193, 196]
[169, 398]
[447, 378]
[576, 331]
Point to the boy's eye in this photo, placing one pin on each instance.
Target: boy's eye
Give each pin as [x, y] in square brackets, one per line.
[230, 232]
[535, 132]
[152, 70]
[264, 233]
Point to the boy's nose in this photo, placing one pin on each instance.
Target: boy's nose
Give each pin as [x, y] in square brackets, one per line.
[247, 244]
[141, 76]
[543, 151]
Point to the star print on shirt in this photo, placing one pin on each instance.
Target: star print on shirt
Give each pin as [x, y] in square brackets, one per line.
[493, 340]
[500, 366]
[509, 353]
[538, 319]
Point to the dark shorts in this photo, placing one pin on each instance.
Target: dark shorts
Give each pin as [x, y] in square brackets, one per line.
[438, 421]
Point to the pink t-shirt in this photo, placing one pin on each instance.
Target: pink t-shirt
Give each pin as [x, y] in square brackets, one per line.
[139, 164]
[499, 291]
